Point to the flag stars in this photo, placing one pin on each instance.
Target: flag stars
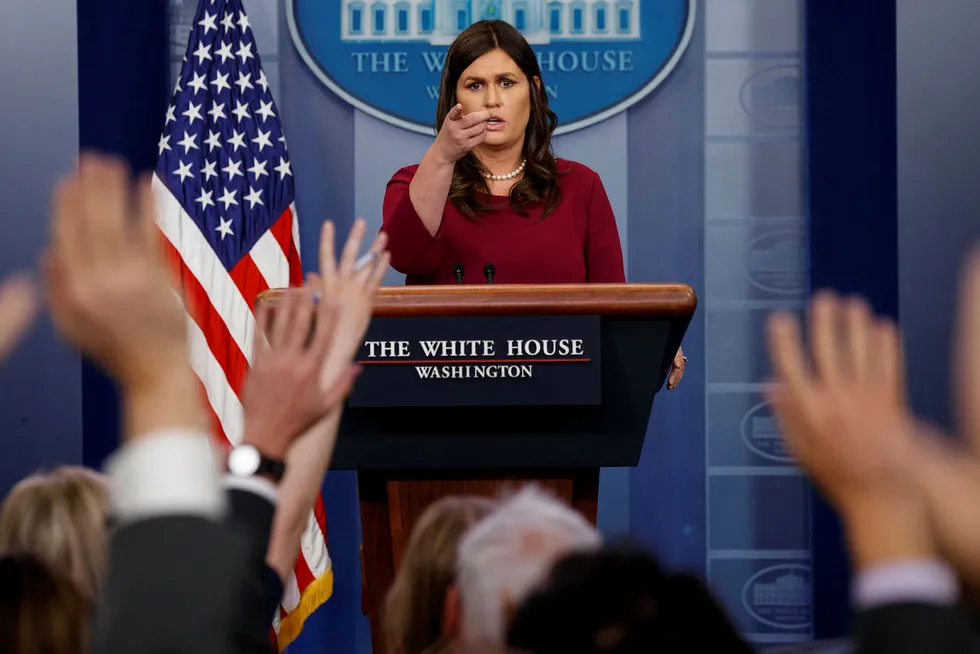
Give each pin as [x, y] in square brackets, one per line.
[217, 111]
[265, 110]
[224, 52]
[244, 82]
[193, 111]
[241, 110]
[208, 170]
[203, 52]
[224, 227]
[198, 83]
[233, 168]
[254, 197]
[228, 199]
[184, 171]
[189, 142]
[258, 169]
[209, 22]
[262, 140]
[220, 82]
[238, 91]
[245, 52]
[237, 140]
[204, 199]
[213, 141]
[283, 168]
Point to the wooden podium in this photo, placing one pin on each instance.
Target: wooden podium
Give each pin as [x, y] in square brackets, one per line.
[414, 440]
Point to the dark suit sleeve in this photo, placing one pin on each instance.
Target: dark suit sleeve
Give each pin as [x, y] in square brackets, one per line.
[173, 586]
[913, 628]
[252, 515]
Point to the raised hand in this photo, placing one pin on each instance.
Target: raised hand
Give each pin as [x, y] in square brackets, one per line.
[459, 134]
[353, 288]
[350, 288]
[18, 307]
[949, 469]
[109, 290]
[844, 417]
[283, 395]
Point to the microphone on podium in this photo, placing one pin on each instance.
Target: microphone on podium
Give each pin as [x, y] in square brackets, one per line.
[458, 271]
[488, 271]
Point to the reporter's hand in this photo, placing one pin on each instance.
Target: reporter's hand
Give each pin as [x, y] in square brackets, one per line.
[949, 470]
[109, 290]
[847, 423]
[459, 134]
[110, 295]
[283, 395]
[353, 290]
[18, 308]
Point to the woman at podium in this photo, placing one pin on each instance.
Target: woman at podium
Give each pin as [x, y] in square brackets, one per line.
[489, 201]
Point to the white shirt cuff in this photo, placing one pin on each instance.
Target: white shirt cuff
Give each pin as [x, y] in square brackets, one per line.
[920, 581]
[256, 485]
[167, 472]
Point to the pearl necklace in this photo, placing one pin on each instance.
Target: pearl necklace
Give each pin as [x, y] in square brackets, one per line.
[510, 175]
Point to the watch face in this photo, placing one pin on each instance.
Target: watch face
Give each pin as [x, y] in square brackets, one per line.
[244, 460]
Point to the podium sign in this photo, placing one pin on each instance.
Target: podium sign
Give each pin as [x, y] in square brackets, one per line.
[480, 361]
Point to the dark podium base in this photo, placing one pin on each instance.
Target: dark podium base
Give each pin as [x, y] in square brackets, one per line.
[392, 501]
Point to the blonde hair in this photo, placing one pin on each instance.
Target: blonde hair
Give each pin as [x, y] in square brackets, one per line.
[60, 517]
[41, 610]
[415, 603]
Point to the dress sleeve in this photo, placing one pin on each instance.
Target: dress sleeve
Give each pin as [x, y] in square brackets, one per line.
[414, 251]
[603, 251]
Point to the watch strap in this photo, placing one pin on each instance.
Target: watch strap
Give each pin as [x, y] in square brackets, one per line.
[274, 468]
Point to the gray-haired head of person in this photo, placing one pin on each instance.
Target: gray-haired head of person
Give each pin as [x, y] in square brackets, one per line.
[506, 555]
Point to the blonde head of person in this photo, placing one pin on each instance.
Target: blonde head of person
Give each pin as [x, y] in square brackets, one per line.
[41, 610]
[415, 612]
[60, 517]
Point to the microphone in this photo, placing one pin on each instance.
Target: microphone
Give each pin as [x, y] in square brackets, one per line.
[488, 271]
[458, 271]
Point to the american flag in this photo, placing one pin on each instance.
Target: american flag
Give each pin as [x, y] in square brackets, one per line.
[224, 193]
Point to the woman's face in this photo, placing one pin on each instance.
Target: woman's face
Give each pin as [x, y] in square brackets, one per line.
[496, 84]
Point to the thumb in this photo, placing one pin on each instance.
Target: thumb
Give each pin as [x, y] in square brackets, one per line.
[456, 112]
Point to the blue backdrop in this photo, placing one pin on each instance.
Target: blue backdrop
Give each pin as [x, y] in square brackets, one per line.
[705, 176]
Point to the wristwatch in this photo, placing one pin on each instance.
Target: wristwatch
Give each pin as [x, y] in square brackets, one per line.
[247, 461]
